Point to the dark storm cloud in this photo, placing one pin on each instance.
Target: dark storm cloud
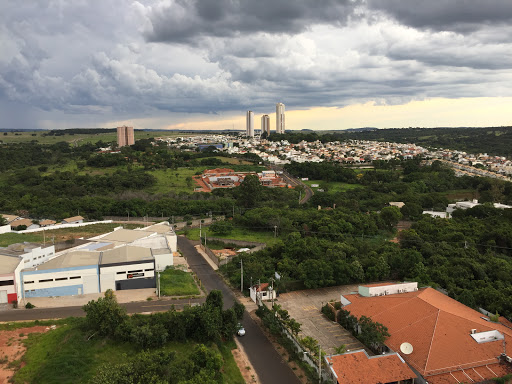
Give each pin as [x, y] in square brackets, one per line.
[446, 15]
[187, 20]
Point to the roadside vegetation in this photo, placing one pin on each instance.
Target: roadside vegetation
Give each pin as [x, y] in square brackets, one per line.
[193, 346]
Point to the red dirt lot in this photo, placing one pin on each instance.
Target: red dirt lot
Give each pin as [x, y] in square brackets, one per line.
[12, 348]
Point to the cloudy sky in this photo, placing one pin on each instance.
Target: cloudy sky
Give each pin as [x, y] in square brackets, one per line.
[335, 64]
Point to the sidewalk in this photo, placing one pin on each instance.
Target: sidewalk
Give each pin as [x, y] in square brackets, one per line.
[127, 296]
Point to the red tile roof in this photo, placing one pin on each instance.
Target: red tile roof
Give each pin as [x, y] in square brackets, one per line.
[358, 368]
[438, 328]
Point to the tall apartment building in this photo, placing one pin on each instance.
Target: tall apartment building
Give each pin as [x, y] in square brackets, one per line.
[125, 136]
[265, 124]
[280, 127]
[249, 125]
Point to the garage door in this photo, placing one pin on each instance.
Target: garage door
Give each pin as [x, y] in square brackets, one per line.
[3, 297]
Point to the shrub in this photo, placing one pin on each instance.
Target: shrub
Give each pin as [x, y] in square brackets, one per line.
[29, 305]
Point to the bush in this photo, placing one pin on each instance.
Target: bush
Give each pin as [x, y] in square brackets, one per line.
[29, 305]
[326, 310]
[15, 303]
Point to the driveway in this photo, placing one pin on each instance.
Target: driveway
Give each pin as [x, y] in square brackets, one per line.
[305, 307]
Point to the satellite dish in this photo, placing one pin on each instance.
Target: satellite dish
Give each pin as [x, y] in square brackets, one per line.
[406, 348]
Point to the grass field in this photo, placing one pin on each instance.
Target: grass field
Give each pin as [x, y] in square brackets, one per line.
[65, 355]
[170, 180]
[174, 282]
[27, 136]
[237, 234]
[60, 234]
[333, 186]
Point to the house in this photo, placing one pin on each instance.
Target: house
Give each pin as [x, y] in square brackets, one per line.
[73, 220]
[10, 218]
[47, 223]
[10, 267]
[262, 292]
[26, 222]
[348, 368]
[398, 204]
[451, 343]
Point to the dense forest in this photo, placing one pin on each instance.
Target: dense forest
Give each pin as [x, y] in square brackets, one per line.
[496, 141]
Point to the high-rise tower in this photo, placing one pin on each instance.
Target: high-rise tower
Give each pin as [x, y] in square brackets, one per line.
[249, 125]
[280, 127]
[265, 124]
[125, 136]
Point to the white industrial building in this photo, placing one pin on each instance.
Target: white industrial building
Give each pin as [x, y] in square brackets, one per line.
[10, 267]
[383, 289]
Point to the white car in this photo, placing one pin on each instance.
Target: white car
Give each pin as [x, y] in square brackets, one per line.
[241, 330]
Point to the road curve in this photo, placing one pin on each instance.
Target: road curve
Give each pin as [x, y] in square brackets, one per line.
[268, 363]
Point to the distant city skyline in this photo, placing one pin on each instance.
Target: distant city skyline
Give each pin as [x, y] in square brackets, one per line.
[249, 124]
[200, 65]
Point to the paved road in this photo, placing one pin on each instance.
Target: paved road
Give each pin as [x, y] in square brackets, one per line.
[267, 362]
[62, 312]
[293, 181]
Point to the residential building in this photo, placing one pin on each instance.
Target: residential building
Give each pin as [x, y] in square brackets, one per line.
[73, 220]
[23, 222]
[262, 292]
[249, 124]
[265, 124]
[280, 123]
[447, 341]
[356, 367]
[125, 136]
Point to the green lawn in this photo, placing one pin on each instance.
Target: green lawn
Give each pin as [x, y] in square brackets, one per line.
[174, 282]
[65, 355]
[237, 234]
[174, 180]
[333, 186]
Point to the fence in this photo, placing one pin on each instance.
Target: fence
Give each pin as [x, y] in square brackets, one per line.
[215, 259]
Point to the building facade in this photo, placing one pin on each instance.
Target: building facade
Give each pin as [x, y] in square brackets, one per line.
[125, 136]
[280, 126]
[265, 124]
[249, 124]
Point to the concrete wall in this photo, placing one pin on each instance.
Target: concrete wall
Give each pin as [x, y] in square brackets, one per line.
[163, 261]
[38, 255]
[10, 289]
[5, 228]
[62, 281]
[116, 273]
[391, 289]
[51, 227]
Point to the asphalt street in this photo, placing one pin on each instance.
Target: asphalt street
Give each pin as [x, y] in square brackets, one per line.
[268, 363]
[62, 312]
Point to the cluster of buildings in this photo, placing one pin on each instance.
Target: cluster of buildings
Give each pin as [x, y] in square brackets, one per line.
[265, 122]
[212, 179]
[433, 339]
[15, 222]
[118, 260]
[461, 205]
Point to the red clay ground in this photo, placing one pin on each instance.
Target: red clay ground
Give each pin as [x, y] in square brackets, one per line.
[12, 348]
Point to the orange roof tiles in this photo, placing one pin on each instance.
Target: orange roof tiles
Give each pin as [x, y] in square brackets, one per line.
[438, 328]
[377, 369]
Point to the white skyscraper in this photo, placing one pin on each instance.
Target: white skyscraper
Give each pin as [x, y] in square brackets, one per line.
[280, 127]
[265, 124]
[249, 125]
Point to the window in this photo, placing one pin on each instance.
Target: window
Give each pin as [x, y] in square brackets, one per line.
[120, 273]
[74, 277]
[29, 282]
[61, 278]
[149, 270]
[138, 270]
[6, 282]
[45, 280]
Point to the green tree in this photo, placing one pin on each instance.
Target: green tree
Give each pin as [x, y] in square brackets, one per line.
[221, 228]
[250, 192]
[3, 221]
[390, 216]
[104, 315]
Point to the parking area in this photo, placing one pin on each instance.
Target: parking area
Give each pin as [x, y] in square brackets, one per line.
[305, 306]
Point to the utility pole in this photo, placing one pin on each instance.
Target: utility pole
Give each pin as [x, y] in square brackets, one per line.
[319, 364]
[272, 291]
[158, 284]
[275, 230]
[241, 275]
[200, 229]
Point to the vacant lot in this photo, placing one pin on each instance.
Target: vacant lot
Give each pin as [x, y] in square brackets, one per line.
[333, 186]
[174, 282]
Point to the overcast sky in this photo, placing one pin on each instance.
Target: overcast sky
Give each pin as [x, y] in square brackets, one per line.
[335, 64]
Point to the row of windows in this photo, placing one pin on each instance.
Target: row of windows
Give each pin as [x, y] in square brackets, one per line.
[137, 271]
[35, 258]
[56, 279]
[6, 282]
